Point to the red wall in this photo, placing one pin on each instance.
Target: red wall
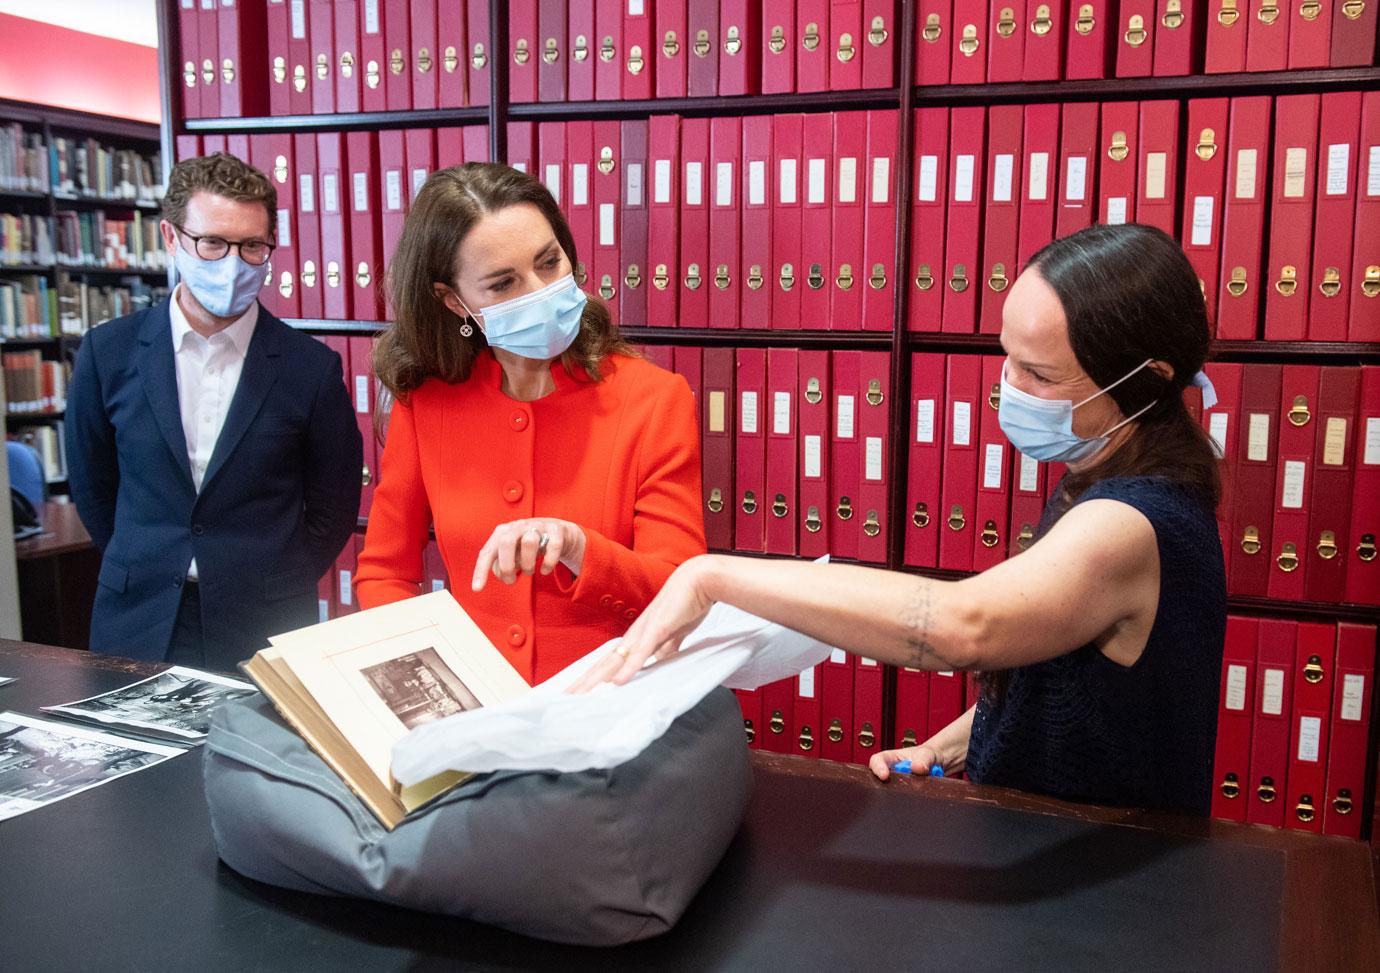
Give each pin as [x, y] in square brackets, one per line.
[50, 65]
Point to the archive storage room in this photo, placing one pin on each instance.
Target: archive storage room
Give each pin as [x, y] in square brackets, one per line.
[689, 484]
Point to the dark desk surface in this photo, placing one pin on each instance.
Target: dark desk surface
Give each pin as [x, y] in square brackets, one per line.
[832, 870]
[62, 532]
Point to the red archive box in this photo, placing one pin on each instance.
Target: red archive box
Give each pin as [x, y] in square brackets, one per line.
[322, 36]
[814, 505]
[672, 50]
[787, 278]
[933, 50]
[1353, 34]
[740, 53]
[877, 276]
[1223, 425]
[1231, 761]
[779, 502]
[1243, 219]
[310, 275]
[480, 57]
[879, 52]
[581, 51]
[325, 596]
[1349, 729]
[717, 429]
[524, 50]
[1117, 162]
[1092, 27]
[1135, 49]
[1028, 487]
[696, 275]
[778, 39]
[189, 47]
[349, 68]
[451, 45]
[243, 61]
[189, 147]
[845, 275]
[1329, 511]
[608, 67]
[1363, 568]
[926, 433]
[366, 247]
[360, 357]
[836, 706]
[392, 195]
[1158, 154]
[640, 44]
[1044, 48]
[1293, 481]
[1205, 174]
[425, 55]
[1274, 669]
[874, 397]
[806, 713]
[522, 148]
[1000, 239]
[927, 220]
[991, 510]
[1179, 37]
[373, 56]
[276, 45]
[1310, 33]
[1312, 711]
[845, 454]
[208, 55]
[845, 43]
[1329, 291]
[1038, 183]
[211, 144]
[237, 145]
[335, 257]
[778, 716]
[420, 146]
[1365, 252]
[946, 700]
[663, 356]
[555, 49]
[754, 268]
[1291, 217]
[968, 43]
[702, 48]
[963, 241]
[814, 53]
[605, 277]
[750, 452]
[1006, 41]
[1227, 27]
[912, 707]
[750, 703]
[663, 221]
[867, 709]
[632, 304]
[1078, 141]
[578, 202]
[345, 577]
[273, 156]
[1267, 41]
[963, 399]
[815, 281]
[397, 39]
[725, 221]
[1254, 492]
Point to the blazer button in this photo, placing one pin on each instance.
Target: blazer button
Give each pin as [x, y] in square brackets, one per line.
[512, 491]
[518, 420]
[198, 530]
[618, 607]
[605, 601]
[517, 635]
[630, 614]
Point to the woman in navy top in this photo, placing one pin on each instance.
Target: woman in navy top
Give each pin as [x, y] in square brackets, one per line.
[1100, 646]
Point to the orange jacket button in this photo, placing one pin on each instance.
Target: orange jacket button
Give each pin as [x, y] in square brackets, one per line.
[518, 421]
[512, 491]
[630, 614]
[605, 601]
[517, 635]
[618, 606]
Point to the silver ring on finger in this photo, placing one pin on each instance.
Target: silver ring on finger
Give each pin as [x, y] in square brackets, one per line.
[541, 544]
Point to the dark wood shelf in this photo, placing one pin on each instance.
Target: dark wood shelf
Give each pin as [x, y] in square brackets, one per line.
[24, 195]
[740, 105]
[20, 418]
[1280, 352]
[321, 326]
[754, 338]
[78, 123]
[354, 121]
[26, 268]
[112, 272]
[69, 201]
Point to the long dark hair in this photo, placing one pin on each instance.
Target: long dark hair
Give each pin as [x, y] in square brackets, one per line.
[424, 340]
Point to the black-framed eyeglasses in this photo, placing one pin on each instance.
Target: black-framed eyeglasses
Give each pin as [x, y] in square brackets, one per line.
[254, 252]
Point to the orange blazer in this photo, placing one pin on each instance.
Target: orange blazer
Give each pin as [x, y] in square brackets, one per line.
[619, 457]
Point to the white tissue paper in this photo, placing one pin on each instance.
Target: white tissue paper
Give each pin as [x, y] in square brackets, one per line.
[546, 729]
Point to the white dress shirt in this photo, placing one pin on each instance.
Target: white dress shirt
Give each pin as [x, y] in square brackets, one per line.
[208, 372]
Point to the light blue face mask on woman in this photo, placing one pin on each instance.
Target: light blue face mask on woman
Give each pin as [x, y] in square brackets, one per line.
[1043, 428]
[539, 325]
[224, 287]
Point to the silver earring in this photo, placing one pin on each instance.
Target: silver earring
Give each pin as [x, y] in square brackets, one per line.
[466, 330]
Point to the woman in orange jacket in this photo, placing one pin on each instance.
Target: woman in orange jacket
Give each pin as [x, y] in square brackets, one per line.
[561, 471]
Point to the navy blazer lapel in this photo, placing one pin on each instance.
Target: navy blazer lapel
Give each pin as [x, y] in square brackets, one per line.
[258, 376]
[158, 373]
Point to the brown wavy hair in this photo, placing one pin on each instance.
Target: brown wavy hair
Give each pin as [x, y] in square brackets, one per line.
[223, 175]
[424, 340]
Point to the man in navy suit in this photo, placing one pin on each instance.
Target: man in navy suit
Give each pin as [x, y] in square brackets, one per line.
[212, 450]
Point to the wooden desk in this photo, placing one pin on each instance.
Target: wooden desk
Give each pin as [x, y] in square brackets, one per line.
[57, 579]
[831, 870]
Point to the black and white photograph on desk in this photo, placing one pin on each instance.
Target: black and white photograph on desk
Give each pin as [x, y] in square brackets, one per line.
[174, 706]
[419, 688]
[42, 761]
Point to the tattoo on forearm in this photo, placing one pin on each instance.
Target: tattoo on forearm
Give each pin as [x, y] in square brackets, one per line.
[917, 624]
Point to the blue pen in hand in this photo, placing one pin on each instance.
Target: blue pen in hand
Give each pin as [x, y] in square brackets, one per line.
[903, 767]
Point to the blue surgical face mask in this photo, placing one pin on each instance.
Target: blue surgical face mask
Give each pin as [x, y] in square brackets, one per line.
[1043, 428]
[539, 325]
[224, 287]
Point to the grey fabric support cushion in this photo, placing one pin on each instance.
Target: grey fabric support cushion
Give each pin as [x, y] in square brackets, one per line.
[594, 858]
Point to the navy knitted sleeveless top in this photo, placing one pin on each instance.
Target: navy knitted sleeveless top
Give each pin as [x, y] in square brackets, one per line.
[1084, 728]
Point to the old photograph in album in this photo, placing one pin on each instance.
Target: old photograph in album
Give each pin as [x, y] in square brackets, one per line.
[354, 686]
[173, 706]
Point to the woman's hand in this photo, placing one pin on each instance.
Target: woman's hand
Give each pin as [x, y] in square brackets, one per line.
[517, 547]
[673, 614]
[921, 758]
